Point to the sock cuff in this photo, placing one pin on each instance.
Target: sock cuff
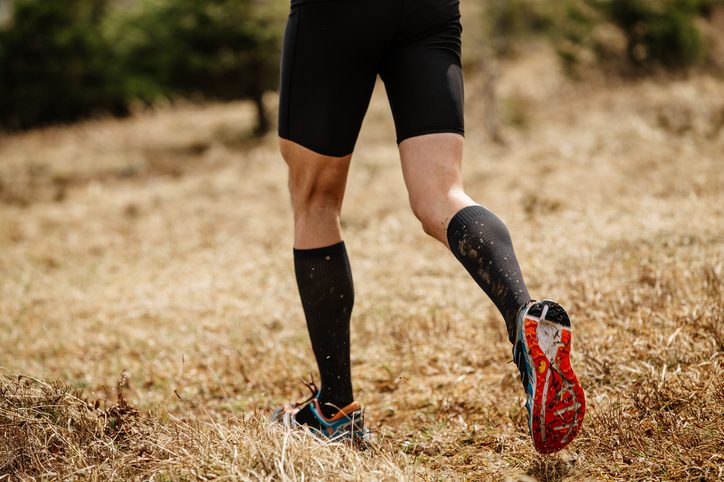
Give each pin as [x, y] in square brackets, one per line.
[312, 265]
[462, 220]
[337, 248]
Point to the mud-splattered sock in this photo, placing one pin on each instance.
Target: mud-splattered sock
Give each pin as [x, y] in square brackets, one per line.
[481, 242]
[324, 279]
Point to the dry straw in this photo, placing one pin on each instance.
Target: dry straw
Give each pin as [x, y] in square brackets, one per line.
[161, 245]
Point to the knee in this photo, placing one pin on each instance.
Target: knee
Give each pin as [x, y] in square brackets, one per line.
[434, 209]
[314, 194]
[316, 182]
[426, 211]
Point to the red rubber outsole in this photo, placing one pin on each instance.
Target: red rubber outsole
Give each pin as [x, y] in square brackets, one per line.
[559, 403]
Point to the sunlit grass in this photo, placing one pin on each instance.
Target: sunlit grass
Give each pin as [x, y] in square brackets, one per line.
[160, 246]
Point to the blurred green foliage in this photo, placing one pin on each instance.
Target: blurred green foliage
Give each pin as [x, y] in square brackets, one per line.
[63, 60]
[211, 49]
[506, 21]
[658, 34]
[53, 66]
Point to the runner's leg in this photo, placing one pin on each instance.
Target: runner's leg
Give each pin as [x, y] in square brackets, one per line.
[329, 66]
[423, 78]
[424, 82]
[324, 277]
[476, 236]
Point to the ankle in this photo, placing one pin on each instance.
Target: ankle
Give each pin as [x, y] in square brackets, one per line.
[331, 404]
[512, 324]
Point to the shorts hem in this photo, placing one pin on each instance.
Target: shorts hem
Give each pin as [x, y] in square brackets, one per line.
[316, 149]
[433, 130]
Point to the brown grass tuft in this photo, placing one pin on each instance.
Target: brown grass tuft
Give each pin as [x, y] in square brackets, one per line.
[48, 431]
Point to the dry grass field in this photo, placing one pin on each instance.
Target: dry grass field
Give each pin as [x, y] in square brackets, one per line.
[149, 319]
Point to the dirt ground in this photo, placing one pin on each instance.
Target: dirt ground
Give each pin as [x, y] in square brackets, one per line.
[152, 257]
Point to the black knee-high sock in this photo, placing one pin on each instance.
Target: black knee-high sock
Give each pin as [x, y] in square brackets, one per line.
[325, 285]
[481, 242]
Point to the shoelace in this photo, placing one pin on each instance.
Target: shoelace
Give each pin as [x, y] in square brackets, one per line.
[314, 393]
[312, 388]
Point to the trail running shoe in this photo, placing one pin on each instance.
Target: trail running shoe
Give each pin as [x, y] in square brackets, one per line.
[555, 400]
[346, 424]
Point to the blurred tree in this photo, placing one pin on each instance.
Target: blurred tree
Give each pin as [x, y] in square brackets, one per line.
[507, 21]
[63, 60]
[53, 64]
[658, 32]
[215, 49]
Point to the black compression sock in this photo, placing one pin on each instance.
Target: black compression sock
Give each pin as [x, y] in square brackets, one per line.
[481, 242]
[324, 279]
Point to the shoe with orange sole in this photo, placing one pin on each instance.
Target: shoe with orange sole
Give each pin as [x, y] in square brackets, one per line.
[347, 423]
[555, 400]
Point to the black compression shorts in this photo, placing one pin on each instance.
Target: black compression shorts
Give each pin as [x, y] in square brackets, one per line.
[333, 51]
